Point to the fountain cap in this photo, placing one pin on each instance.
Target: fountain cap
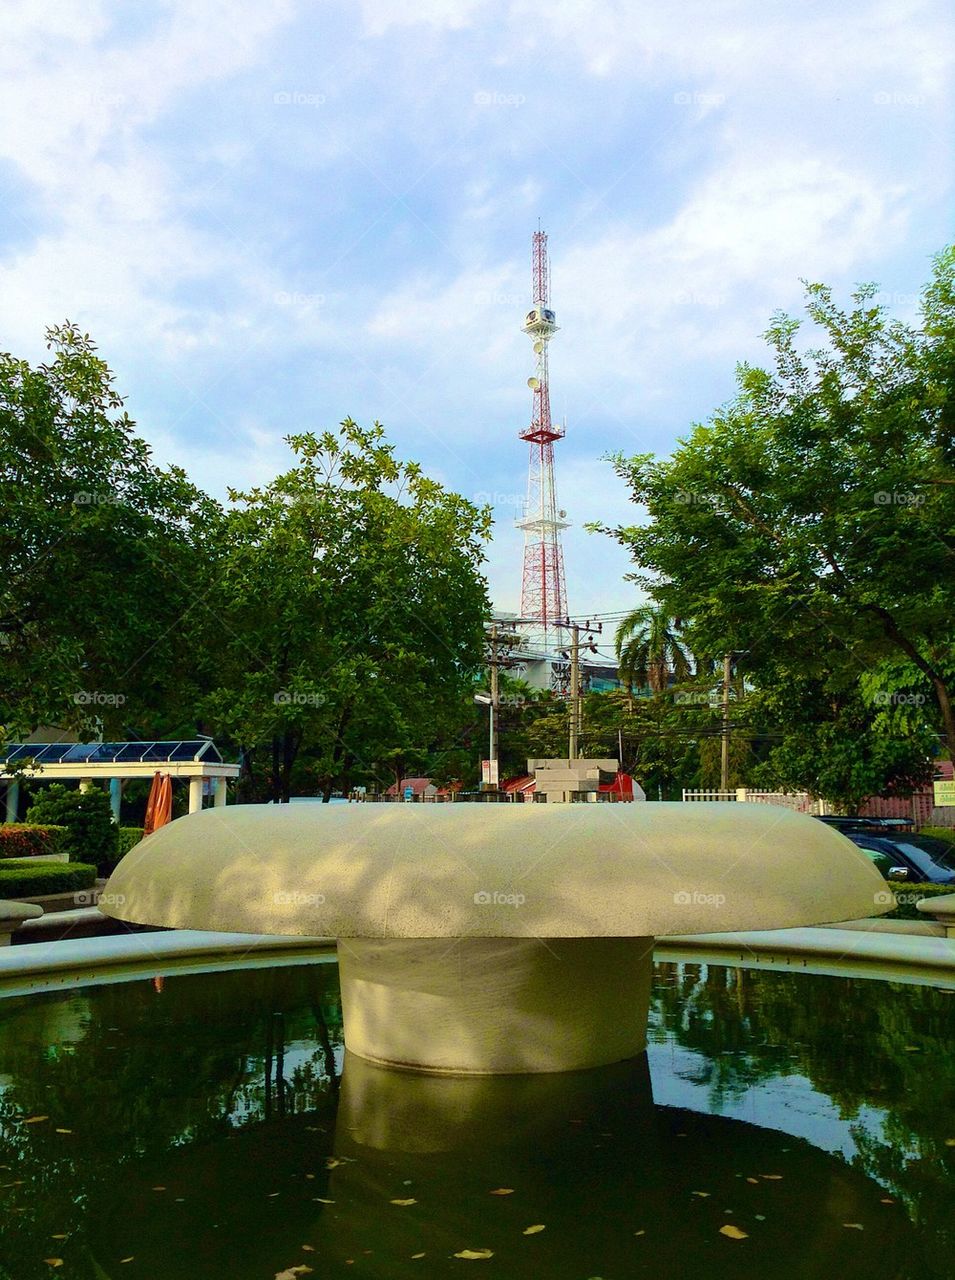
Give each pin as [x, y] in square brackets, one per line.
[494, 871]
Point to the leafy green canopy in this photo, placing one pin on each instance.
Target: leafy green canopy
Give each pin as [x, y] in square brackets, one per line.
[810, 524]
[104, 554]
[351, 606]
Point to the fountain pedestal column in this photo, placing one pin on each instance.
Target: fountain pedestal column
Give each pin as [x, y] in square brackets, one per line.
[495, 1005]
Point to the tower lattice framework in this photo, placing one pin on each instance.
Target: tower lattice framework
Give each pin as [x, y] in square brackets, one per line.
[543, 590]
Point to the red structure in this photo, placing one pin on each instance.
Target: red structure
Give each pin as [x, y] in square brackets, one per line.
[544, 590]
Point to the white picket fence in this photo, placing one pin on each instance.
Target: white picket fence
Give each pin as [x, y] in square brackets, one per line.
[798, 800]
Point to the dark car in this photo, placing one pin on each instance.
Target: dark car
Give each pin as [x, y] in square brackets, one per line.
[921, 859]
[890, 826]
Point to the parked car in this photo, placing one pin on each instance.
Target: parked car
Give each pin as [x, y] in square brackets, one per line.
[921, 859]
[843, 823]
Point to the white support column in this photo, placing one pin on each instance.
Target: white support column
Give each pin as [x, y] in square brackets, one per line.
[221, 794]
[195, 795]
[13, 799]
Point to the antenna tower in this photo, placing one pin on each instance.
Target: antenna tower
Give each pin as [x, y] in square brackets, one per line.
[543, 591]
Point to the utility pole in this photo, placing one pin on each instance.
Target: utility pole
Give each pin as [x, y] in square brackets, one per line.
[574, 689]
[725, 745]
[501, 638]
[495, 703]
[575, 709]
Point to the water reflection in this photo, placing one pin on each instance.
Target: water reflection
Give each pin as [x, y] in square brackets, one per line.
[199, 1131]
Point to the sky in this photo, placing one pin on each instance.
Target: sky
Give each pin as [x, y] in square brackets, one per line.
[274, 215]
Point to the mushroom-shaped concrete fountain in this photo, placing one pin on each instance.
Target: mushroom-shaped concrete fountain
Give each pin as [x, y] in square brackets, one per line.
[494, 939]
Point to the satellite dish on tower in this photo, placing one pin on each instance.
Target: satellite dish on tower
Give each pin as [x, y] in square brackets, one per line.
[533, 383]
[538, 348]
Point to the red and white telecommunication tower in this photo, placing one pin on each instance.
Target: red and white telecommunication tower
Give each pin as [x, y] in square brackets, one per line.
[544, 591]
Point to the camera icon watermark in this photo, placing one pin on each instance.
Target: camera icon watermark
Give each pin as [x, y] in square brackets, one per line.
[493, 98]
[892, 498]
[98, 698]
[295, 98]
[292, 698]
[883, 698]
[687, 898]
[494, 898]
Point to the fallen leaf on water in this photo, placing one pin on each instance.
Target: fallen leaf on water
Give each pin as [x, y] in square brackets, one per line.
[503, 1191]
[772, 1177]
[854, 1226]
[532, 1231]
[332, 1162]
[402, 1202]
[419, 1255]
[64, 1130]
[159, 1188]
[273, 1194]
[291, 1272]
[473, 1254]
[755, 1181]
[887, 1200]
[700, 1193]
[61, 1235]
[131, 1258]
[760, 1217]
[913, 1048]
[36, 1120]
[307, 1248]
[310, 1176]
[53, 1262]
[640, 1233]
[322, 1200]
[734, 1233]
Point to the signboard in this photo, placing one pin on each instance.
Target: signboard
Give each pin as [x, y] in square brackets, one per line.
[944, 794]
[490, 772]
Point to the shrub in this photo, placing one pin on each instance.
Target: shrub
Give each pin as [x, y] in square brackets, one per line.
[939, 833]
[908, 894]
[26, 840]
[126, 839]
[19, 881]
[91, 834]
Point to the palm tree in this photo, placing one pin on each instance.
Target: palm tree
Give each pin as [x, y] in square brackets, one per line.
[649, 649]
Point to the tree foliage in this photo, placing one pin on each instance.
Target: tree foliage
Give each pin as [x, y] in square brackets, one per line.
[106, 556]
[810, 524]
[351, 605]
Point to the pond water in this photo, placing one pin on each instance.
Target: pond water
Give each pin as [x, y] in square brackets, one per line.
[210, 1127]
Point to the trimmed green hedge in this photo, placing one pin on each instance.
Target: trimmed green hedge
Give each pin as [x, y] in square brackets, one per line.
[939, 833]
[908, 894]
[85, 814]
[30, 839]
[19, 881]
[126, 838]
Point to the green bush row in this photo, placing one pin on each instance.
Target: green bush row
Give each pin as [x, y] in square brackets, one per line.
[28, 840]
[940, 833]
[19, 881]
[908, 894]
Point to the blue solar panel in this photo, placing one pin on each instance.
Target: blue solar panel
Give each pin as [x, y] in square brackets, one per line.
[111, 752]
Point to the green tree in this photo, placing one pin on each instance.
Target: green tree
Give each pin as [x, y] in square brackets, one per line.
[351, 604]
[650, 649]
[811, 522]
[86, 815]
[106, 556]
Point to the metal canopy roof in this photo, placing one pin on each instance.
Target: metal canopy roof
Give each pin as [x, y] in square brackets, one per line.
[103, 753]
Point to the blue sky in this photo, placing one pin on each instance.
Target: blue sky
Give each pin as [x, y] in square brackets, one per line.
[274, 215]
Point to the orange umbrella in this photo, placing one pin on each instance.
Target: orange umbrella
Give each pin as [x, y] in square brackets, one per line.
[159, 804]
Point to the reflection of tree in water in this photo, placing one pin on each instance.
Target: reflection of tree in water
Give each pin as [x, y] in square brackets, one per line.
[134, 1074]
[861, 1043]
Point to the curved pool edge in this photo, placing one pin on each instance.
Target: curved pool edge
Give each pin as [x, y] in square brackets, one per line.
[54, 966]
[829, 951]
[873, 953]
